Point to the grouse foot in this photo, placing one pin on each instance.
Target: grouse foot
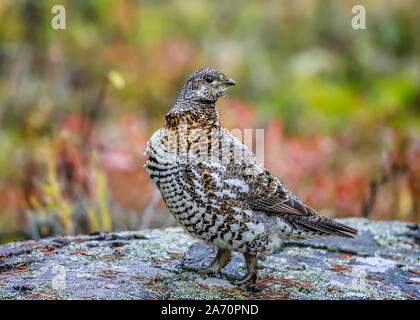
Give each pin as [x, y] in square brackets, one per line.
[223, 257]
[251, 267]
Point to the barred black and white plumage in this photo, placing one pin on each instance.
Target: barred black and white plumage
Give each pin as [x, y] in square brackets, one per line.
[216, 188]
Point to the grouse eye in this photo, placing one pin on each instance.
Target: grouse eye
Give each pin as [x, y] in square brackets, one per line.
[208, 79]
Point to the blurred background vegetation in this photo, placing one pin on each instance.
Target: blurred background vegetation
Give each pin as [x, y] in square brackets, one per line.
[340, 107]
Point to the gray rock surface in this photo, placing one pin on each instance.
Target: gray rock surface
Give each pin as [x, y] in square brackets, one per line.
[382, 262]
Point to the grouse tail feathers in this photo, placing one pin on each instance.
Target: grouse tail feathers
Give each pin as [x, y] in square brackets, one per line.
[325, 227]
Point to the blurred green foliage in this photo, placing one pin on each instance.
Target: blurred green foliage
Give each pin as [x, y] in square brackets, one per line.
[108, 79]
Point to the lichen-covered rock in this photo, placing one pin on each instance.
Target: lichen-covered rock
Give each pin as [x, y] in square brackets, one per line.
[382, 262]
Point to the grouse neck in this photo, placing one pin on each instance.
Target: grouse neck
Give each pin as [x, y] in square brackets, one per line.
[195, 115]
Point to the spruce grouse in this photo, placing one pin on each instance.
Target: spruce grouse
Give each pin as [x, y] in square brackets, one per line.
[217, 189]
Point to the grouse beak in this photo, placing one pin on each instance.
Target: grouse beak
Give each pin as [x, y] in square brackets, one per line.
[230, 82]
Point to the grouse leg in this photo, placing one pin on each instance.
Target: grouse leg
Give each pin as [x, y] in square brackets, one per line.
[251, 267]
[223, 257]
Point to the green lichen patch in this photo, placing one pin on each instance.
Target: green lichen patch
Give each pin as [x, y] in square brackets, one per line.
[147, 264]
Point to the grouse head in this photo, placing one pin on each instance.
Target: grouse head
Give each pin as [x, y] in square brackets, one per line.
[206, 86]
